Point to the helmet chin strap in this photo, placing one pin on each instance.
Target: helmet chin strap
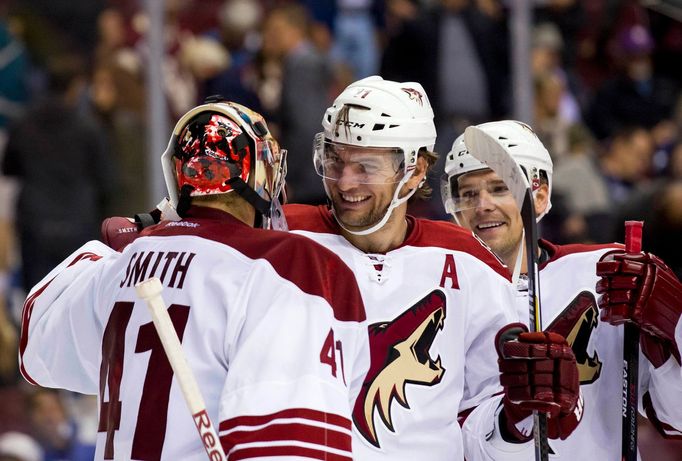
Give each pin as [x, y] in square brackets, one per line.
[519, 259]
[395, 202]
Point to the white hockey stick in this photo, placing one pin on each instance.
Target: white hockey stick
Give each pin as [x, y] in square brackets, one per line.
[486, 149]
[150, 291]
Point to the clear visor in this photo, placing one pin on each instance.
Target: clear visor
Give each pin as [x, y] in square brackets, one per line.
[364, 165]
[467, 192]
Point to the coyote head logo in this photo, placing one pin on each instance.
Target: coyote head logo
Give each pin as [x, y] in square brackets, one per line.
[400, 356]
[577, 323]
[415, 95]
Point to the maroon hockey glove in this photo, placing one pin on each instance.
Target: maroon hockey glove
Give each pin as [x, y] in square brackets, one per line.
[538, 372]
[641, 288]
[117, 232]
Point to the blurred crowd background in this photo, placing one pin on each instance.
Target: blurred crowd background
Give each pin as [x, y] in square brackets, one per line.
[606, 80]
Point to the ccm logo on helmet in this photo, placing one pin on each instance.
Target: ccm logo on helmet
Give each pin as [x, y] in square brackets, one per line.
[350, 124]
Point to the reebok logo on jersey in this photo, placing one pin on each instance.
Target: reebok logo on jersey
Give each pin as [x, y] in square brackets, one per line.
[400, 356]
[182, 224]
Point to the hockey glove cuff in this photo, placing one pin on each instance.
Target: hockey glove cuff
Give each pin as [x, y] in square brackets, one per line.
[641, 288]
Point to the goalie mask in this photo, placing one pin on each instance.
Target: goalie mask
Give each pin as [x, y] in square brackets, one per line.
[390, 122]
[222, 147]
[515, 137]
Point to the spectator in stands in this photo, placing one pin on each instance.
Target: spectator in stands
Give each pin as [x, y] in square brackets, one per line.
[355, 35]
[14, 64]
[57, 433]
[238, 23]
[578, 181]
[306, 84]
[8, 343]
[67, 177]
[547, 45]
[674, 169]
[636, 96]
[626, 162]
[567, 16]
[658, 204]
[551, 125]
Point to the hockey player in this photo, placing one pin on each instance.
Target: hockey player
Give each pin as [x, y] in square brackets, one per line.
[275, 342]
[639, 287]
[435, 296]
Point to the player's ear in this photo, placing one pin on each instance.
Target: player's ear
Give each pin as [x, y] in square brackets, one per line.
[541, 199]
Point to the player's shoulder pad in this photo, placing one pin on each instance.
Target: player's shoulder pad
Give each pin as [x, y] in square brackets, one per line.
[450, 236]
[310, 218]
[557, 252]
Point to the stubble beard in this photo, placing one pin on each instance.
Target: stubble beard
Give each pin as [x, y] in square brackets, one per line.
[366, 220]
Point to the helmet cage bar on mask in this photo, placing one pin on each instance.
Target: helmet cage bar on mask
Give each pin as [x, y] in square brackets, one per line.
[366, 165]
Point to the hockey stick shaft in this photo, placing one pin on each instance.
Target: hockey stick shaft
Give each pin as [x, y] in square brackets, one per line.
[534, 310]
[633, 244]
[150, 291]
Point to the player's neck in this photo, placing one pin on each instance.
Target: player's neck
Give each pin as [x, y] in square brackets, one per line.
[243, 212]
[389, 237]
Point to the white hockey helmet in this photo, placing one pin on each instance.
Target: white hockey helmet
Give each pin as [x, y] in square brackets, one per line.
[222, 146]
[518, 139]
[374, 112]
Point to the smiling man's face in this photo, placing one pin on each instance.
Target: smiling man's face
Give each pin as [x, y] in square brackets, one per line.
[494, 215]
[361, 183]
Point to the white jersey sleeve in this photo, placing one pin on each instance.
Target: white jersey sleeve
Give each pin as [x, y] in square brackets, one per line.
[482, 439]
[61, 335]
[660, 388]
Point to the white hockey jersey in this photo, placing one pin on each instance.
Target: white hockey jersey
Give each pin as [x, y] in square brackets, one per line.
[569, 307]
[434, 306]
[272, 325]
